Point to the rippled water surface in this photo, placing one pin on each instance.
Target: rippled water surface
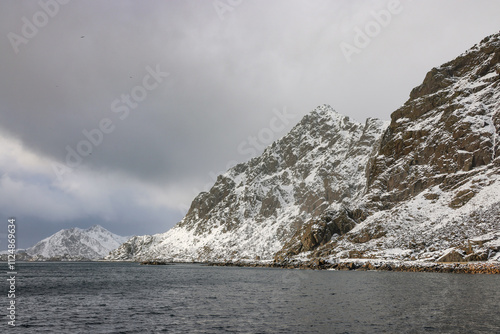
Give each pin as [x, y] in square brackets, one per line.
[190, 298]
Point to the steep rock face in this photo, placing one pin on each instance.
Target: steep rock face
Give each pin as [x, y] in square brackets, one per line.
[317, 232]
[254, 208]
[75, 243]
[433, 186]
[450, 124]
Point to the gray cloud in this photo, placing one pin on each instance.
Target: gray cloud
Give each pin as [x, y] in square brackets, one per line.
[226, 78]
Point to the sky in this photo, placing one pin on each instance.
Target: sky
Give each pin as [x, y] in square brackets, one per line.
[119, 113]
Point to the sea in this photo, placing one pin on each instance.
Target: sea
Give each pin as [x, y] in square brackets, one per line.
[101, 297]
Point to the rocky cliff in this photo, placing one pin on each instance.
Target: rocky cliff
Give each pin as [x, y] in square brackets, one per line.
[432, 188]
[424, 186]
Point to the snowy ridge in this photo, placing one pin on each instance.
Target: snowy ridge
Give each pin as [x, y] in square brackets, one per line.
[93, 243]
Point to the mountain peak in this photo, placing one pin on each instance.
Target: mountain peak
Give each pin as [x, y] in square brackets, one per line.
[98, 228]
[325, 110]
[481, 60]
[325, 113]
[256, 206]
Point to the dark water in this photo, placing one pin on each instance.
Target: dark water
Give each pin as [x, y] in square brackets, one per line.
[129, 298]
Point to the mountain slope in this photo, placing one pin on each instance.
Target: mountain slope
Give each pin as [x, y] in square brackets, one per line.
[433, 188]
[256, 206]
[423, 187]
[93, 243]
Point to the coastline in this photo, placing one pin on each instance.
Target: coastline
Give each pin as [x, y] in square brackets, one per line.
[370, 264]
[341, 264]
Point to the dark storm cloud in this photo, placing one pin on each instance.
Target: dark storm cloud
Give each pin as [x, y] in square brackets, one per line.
[230, 68]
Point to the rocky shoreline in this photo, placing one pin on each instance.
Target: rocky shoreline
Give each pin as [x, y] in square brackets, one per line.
[383, 265]
[343, 264]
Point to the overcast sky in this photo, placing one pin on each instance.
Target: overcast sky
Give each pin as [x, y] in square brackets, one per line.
[119, 113]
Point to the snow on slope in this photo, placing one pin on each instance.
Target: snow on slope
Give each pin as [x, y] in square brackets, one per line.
[422, 187]
[434, 186]
[75, 243]
[426, 227]
[256, 206]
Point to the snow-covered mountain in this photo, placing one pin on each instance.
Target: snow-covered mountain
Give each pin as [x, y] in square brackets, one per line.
[254, 208]
[76, 244]
[434, 186]
[424, 186]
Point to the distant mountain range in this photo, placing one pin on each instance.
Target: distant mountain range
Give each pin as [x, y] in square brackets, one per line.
[74, 244]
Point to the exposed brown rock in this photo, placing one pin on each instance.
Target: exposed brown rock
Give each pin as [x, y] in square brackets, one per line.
[452, 256]
[318, 232]
[461, 198]
[410, 156]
